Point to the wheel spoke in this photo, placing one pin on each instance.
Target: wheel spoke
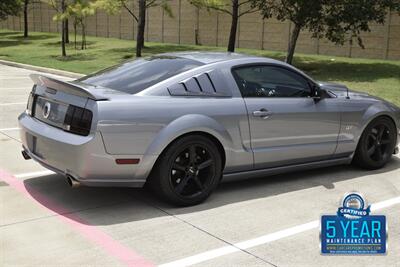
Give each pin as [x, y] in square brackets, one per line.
[192, 154]
[182, 184]
[198, 183]
[371, 135]
[192, 160]
[379, 153]
[178, 167]
[385, 142]
[371, 151]
[205, 164]
[380, 132]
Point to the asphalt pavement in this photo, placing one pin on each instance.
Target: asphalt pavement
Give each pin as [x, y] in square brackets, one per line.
[269, 221]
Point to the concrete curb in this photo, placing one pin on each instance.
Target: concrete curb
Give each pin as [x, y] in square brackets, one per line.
[41, 69]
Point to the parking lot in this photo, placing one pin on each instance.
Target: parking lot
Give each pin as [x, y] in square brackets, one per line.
[260, 222]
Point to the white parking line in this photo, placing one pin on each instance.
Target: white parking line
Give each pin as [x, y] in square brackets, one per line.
[33, 174]
[215, 253]
[9, 129]
[10, 104]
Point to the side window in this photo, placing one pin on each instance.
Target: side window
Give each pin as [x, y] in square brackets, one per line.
[270, 81]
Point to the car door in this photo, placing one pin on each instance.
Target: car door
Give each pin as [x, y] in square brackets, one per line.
[287, 125]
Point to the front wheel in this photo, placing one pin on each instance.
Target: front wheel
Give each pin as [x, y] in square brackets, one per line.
[187, 171]
[376, 144]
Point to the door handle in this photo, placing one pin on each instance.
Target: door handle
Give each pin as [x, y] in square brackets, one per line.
[263, 113]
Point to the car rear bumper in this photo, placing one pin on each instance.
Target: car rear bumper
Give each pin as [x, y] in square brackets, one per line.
[82, 157]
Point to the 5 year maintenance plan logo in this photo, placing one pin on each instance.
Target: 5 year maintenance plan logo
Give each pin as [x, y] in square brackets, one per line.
[353, 230]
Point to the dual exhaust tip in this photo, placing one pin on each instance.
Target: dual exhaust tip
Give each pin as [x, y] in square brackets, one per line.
[72, 182]
[25, 155]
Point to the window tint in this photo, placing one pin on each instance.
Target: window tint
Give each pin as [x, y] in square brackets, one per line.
[137, 75]
[270, 81]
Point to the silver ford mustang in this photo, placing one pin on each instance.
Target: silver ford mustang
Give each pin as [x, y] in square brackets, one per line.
[181, 122]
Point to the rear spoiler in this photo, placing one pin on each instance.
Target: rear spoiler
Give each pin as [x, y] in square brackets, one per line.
[66, 87]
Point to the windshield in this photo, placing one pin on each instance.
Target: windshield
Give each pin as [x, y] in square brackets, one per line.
[134, 76]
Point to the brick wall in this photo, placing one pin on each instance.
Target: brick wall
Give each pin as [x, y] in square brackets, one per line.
[382, 42]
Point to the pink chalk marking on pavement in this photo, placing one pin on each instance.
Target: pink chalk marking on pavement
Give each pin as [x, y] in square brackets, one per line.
[92, 233]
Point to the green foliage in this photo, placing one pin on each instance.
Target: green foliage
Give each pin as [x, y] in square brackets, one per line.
[220, 5]
[336, 20]
[9, 8]
[226, 6]
[115, 6]
[164, 4]
[80, 9]
[111, 6]
[347, 19]
[305, 13]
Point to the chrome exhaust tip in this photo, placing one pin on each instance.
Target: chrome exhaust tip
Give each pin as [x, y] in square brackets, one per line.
[25, 155]
[73, 183]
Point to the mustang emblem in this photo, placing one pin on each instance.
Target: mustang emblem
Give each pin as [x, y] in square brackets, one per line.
[46, 110]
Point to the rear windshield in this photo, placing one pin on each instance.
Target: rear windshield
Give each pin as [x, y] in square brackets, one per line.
[134, 76]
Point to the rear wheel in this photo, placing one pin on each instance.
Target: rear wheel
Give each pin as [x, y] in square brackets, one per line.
[187, 171]
[376, 144]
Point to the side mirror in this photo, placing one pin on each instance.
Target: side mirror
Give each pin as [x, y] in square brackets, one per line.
[316, 93]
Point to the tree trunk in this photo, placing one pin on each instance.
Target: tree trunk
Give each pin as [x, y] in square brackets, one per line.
[75, 34]
[292, 43]
[234, 23]
[66, 31]
[26, 4]
[83, 45]
[141, 25]
[63, 52]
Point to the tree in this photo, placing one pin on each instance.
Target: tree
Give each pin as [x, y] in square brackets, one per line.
[336, 20]
[232, 8]
[26, 4]
[64, 29]
[9, 8]
[25, 7]
[115, 6]
[66, 32]
[304, 14]
[78, 10]
[60, 6]
[348, 19]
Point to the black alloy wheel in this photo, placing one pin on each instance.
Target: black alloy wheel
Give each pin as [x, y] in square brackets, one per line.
[188, 171]
[192, 171]
[376, 144]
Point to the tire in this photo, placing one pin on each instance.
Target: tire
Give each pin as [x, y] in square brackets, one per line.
[188, 171]
[376, 144]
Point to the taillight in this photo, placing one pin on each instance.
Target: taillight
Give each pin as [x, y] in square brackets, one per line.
[29, 106]
[31, 102]
[78, 120]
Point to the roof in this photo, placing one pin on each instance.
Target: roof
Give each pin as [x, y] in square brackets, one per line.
[208, 57]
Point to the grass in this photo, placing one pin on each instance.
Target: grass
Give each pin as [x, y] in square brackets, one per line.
[377, 77]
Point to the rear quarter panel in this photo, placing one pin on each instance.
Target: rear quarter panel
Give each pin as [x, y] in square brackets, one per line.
[146, 125]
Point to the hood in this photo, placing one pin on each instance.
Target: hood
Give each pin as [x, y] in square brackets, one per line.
[340, 90]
